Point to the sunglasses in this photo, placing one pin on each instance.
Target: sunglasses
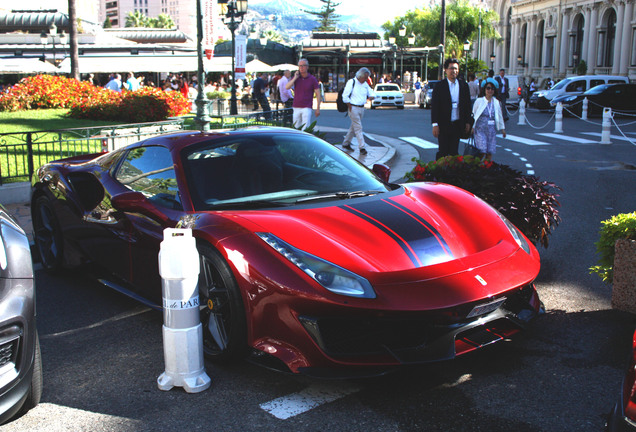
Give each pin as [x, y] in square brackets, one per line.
[490, 88]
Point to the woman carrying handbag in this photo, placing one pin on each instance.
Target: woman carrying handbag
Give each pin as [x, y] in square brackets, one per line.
[488, 117]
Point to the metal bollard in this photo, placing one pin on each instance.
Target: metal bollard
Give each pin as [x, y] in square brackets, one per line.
[182, 329]
[607, 126]
[584, 109]
[522, 113]
[558, 116]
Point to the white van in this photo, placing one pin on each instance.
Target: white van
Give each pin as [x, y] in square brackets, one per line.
[574, 85]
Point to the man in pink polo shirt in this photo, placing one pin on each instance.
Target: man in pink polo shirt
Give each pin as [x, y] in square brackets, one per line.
[305, 87]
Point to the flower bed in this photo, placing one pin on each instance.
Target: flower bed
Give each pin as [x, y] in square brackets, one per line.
[86, 101]
[527, 202]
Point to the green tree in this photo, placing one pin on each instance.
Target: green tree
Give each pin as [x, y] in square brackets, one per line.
[462, 23]
[162, 21]
[107, 23]
[326, 17]
[273, 35]
[136, 19]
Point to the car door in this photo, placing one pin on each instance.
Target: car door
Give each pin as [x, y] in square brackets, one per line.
[149, 170]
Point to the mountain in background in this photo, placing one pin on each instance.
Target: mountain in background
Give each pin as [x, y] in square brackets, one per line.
[288, 18]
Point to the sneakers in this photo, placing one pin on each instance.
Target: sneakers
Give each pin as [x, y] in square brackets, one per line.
[347, 147]
[363, 151]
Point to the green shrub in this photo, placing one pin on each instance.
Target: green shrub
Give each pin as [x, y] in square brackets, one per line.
[621, 226]
[219, 94]
[525, 200]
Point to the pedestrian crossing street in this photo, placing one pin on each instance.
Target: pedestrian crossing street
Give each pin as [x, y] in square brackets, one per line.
[422, 143]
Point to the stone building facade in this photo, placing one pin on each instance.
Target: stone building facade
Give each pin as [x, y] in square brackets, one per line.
[549, 38]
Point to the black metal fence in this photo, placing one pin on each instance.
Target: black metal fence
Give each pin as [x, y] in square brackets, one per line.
[21, 153]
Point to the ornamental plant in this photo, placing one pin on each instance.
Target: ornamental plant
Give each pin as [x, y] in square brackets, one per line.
[621, 226]
[530, 204]
[90, 102]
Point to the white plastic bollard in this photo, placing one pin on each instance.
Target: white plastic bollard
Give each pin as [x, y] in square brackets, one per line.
[558, 118]
[182, 329]
[522, 113]
[607, 126]
[584, 109]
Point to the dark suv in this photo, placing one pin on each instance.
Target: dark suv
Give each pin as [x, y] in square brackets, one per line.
[20, 361]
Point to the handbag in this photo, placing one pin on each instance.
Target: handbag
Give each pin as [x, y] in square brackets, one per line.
[470, 149]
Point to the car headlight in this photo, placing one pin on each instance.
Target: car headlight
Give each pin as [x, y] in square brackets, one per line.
[519, 238]
[330, 276]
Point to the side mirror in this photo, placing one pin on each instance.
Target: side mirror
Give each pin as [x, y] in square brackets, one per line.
[382, 171]
[136, 202]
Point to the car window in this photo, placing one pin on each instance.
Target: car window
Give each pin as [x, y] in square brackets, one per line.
[388, 88]
[615, 81]
[150, 170]
[595, 82]
[561, 84]
[597, 90]
[576, 86]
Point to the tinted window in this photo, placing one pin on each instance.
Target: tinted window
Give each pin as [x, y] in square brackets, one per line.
[561, 84]
[576, 86]
[614, 81]
[595, 82]
[150, 170]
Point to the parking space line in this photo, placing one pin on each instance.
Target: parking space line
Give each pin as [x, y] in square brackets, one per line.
[419, 142]
[567, 138]
[297, 403]
[614, 137]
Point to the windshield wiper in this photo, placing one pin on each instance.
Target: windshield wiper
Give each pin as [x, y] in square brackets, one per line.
[340, 195]
[257, 204]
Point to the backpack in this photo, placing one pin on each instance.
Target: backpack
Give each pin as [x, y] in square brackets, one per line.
[340, 104]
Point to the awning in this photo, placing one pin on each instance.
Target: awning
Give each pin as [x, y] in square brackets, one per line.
[147, 63]
[26, 65]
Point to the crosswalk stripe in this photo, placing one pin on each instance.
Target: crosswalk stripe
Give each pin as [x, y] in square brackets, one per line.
[567, 138]
[614, 137]
[419, 142]
[526, 141]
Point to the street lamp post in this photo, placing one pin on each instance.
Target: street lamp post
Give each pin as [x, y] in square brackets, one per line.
[440, 47]
[426, 66]
[202, 120]
[232, 12]
[466, 49]
[492, 61]
[44, 38]
[402, 33]
[394, 49]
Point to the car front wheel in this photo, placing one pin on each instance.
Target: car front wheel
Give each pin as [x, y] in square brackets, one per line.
[222, 310]
[47, 235]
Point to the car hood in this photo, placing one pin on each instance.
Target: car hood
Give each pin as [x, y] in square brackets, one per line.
[431, 226]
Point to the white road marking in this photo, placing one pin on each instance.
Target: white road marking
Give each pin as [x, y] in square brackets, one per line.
[614, 137]
[526, 141]
[297, 403]
[420, 142]
[567, 138]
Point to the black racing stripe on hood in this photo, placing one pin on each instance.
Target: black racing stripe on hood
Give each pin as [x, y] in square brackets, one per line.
[400, 241]
[424, 222]
[419, 239]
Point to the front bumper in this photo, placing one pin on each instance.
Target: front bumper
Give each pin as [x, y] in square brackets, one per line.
[420, 337]
[387, 101]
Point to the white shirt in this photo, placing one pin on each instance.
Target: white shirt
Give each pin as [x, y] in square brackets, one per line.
[285, 94]
[454, 93]
[360, 93]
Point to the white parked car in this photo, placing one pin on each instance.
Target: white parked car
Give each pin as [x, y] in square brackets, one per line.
[388, 94]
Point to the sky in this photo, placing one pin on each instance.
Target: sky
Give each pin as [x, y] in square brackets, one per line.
[377, 11]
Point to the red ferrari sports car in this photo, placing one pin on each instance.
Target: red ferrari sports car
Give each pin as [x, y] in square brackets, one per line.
[309, 260]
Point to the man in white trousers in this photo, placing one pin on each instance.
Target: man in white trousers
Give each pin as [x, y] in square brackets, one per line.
[355, 95]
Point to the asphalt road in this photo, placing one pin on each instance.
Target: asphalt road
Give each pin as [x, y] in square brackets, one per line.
[102, 353]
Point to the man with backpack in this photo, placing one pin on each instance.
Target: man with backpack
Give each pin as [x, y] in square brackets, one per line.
[355, 95]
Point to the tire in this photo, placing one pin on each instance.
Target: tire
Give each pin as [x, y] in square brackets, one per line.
[401, 107]
[222, 310]
[48, 236]
[372, 106]
[35, 392]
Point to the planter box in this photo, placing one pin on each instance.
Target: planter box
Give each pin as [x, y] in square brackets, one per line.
[624, 283]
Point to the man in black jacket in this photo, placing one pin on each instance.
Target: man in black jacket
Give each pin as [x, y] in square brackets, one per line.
[450, 111]
[504, 92]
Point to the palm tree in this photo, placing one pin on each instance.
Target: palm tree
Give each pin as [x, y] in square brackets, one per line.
[162, 21]
[136, 19]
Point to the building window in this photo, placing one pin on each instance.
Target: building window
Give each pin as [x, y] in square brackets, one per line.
[611, 38]
[633, 62]
[549, 51]
[601, 46]
[539, 42]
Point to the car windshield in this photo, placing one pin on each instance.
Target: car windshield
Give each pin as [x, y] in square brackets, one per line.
[596, 90]
[561, 84]
[387, 88]
[272, 170]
